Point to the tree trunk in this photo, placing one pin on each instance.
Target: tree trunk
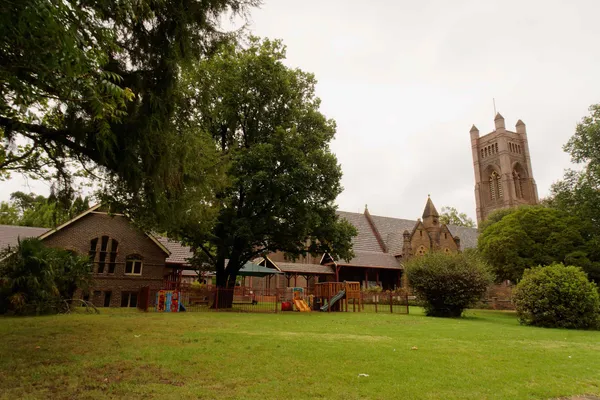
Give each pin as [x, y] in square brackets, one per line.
[225, 284]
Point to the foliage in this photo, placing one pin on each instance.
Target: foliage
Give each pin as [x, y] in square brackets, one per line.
[557, 296]
[374, 289]
[35, 278]
[494, 217]
[451, 216]
[530, 236]
[95, 86]
[584, 146]
[282, 177]
[448, 283]
[578, 193]
[35, 210]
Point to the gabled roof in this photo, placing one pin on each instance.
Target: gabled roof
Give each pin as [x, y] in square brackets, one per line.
[10, 234]
[89, 211]
[391, 230]
[180, 254]
[365, 240]
[373, 259]
[69, 222]
[304, 269]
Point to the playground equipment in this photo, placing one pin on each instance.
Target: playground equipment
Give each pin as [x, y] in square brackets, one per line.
[332, 296]
[295, 295]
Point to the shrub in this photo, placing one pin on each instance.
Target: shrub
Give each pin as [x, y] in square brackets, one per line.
[448, 283]
[36, 279]
[557, 296]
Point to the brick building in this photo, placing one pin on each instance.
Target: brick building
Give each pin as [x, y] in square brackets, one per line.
[125, 258]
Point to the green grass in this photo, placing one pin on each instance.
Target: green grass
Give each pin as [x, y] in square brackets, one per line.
[486, 355]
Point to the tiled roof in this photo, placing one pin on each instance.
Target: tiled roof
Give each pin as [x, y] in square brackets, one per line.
[373, 259]
[391, 230]
[468, 236]
[304, 268]
[179, 253]
[365, 240]
[10, 234]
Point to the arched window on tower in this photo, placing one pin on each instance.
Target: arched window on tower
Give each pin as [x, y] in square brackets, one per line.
[518, 185]
[519, 176]
[495, 186]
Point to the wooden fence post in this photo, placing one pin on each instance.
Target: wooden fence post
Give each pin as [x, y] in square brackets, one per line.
[391, 308]
[217, 299]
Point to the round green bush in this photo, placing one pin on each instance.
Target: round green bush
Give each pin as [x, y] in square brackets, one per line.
[557, 297]
[448, 283]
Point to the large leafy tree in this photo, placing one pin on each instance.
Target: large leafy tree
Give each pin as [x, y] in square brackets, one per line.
[97, 84]
[29, 209]
[451, 216]
[282, 178]
[531, 236]
[578, 193]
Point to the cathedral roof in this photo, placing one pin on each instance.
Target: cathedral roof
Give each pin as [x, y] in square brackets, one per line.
[391, 230]
[430, 210]
[498, 116]
[519, 123]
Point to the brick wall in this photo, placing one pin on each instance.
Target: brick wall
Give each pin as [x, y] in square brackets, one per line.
[77, 237]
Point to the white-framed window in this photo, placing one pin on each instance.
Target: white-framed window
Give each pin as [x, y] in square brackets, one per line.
[133, 265]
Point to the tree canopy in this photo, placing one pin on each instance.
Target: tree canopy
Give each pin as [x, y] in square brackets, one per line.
[578, 193]
[530, 236]
[29, 209]
[97, 84]
[282, 178]
[451, 216]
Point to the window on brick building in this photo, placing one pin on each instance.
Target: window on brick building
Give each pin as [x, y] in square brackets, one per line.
[93, 247]
[106, 255]
[421, 251]
[129, 299]
[114, 247]
[107, 296]
[133, 265]
[102, 255]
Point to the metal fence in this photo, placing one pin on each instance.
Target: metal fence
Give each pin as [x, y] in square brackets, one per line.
[245, 299]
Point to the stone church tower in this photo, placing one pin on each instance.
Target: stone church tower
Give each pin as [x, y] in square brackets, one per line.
[503, 174]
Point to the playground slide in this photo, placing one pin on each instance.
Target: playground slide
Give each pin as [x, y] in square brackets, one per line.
[301, 305]
[334, 299]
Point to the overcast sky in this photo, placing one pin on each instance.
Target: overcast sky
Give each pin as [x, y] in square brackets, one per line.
[406, 80]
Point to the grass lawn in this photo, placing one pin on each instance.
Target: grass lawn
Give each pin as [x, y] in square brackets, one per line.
[486, 355]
